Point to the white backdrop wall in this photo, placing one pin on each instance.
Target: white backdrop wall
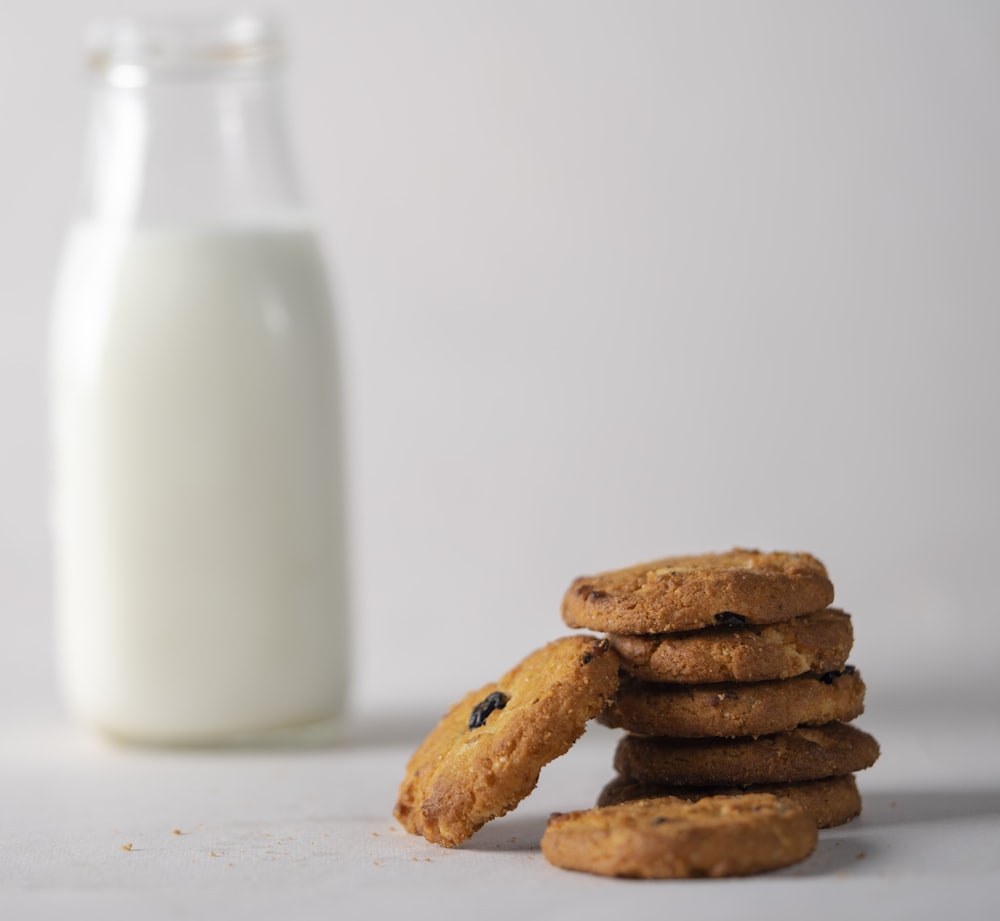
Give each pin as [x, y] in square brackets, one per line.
[616, 280]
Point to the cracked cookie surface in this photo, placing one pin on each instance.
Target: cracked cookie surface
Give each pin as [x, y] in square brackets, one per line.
[816, 642]
[806, 753]
[692, 592]
[829, 802]
[671, 838]
[753, 708]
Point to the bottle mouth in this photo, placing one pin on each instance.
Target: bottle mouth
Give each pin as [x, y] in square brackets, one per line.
[134, 51]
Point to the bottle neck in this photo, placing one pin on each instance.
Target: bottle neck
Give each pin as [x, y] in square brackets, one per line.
[190, 152]
[188, 123]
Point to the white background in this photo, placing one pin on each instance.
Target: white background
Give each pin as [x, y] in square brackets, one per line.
[616, 280]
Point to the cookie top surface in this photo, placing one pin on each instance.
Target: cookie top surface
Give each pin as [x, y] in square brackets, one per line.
[753, 708]
[668, 838]
[485, 755]
[693, 592]
[806, 753]
[817, 642]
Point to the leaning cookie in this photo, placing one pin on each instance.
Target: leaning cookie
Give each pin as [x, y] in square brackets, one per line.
[734, 709]
[816, 642]
[806, 753]
[829, 802]
[485, 755]
[675, 839]
[693, 592]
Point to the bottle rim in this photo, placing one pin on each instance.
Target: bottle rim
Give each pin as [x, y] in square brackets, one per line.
[136, 50]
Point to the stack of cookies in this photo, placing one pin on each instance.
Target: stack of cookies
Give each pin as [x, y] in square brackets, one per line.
[734, 681]
[728, 673]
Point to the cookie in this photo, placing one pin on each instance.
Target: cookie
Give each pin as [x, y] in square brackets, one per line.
[736, 709]
[674, 839]
[806, 753]
[816, 642]
[485, 755]
[829, 802]
[692, 592]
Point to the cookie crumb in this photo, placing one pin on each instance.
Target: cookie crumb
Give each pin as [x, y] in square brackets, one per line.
[176, 831]
[127, 847]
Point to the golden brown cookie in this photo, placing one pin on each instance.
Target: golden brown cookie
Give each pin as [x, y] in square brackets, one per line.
[829, 802]
[672, 839]
[485, 755]
[806, 753]
[817, 642]
[728, 710]
[692, 592]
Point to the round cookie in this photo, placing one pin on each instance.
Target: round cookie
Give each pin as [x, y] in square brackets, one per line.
[729, 710]
[816, 642]
[829, 802]
[692, 592]
[485, 755]
[806, 753]
[675, 839]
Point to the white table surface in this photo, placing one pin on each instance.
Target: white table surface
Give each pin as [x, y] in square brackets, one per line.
[90, 829]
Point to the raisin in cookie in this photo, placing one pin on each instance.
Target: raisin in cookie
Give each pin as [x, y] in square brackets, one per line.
[816, 642]
[829, 802]
[733, 709]
[692, 592]
[673, 839]
[485, 755]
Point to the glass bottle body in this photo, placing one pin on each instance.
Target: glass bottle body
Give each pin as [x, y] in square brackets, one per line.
[198, 496]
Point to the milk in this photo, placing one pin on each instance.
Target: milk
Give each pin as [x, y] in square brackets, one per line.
[200, 573]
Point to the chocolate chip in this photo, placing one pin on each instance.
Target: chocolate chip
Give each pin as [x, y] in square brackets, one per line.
[587, 657]
[597, 595]
[729, 619]
[495, 701]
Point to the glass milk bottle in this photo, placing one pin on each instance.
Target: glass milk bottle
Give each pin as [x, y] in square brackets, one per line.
[197, 495]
